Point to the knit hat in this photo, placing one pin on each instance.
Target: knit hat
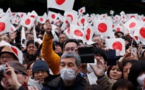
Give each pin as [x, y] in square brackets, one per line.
[18, 67]
[40, 65]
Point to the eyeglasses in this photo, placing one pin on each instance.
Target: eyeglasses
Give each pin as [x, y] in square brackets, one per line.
[70, 49]
[6, 57]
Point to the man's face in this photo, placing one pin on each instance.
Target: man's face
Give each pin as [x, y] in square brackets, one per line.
[68, 63]
[70, 47]
[5, 81]
[6, 57]
[30, 37]
[40, 76]
[62, 38]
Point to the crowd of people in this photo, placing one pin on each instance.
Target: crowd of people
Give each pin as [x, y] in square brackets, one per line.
[56, 64]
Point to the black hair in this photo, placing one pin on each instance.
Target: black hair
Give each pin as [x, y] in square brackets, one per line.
[128, 61]
[57, 43]
[70, 40]
[99, 51]
[123, 84]
[136, 69]
[116, 33]
[29, 42]
[110, 67]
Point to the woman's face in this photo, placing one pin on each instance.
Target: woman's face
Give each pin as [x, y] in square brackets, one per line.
[31, 49]
[58, 49]
[126, 70]
[115, 73]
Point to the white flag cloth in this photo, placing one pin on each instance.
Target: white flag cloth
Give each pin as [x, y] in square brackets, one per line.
[66, 5]
[27, 21]
[89, 32]
[103, 27]
[5, 25]
[116, 44]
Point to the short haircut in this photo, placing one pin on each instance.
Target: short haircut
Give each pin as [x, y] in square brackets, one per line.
[72, 55]
[123, 84]
[70, 40]
[99, 51]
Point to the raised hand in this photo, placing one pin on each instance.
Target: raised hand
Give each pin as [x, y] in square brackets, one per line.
[47, 27]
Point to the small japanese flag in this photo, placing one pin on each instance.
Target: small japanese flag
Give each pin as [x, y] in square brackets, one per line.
[131, 24]
[77, 32]
[72, 15]
[5, 25]
[66, 5]
[52, 16]
[82, 10]
[41, 19]
[18, 53]
[116, 44]
[103, 27]
[27, 21]
[89, 32]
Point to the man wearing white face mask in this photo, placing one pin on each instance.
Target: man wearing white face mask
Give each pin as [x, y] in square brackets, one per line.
[68, 79]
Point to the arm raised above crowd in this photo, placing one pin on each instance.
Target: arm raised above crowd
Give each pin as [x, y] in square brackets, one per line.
[47, 52]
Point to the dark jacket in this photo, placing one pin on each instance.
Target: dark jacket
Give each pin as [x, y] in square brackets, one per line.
[56, 83]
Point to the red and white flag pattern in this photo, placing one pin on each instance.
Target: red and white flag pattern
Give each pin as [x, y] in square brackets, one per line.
[66, 5]
[27, 21]
[116, 44]
[5, 25]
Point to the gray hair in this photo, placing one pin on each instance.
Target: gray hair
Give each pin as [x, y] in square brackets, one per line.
[72, 55]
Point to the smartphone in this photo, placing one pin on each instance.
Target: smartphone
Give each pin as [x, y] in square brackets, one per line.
[86, 54]
[111, 57]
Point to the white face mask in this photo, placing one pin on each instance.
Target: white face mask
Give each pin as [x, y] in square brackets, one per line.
[67, 74]
[140, 79]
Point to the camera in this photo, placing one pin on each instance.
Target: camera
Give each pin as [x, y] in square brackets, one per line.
[2, 69]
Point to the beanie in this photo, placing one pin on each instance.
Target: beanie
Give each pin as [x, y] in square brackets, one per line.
[39, 66]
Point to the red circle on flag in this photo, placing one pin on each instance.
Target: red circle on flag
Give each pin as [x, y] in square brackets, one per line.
[41, 19]
[132, 25]
[82, 20]
[78, 33]
[118, 29]
[68, 30]
[88, 33]
[71, 17]
[27, 22]
[59, 2]
[2, 26]
[142, 32]
[132, 16]
[113, 26]
[102, 27]
[117, 45]
[53, 16]
[136, 37]
[33, 16]
[81, 10]
[14, 50]
[143, 19]
[22, 15]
